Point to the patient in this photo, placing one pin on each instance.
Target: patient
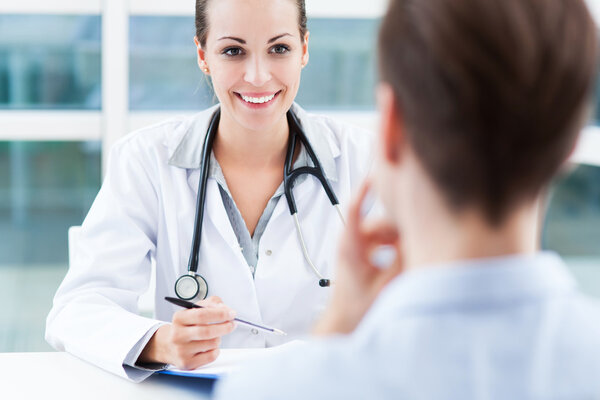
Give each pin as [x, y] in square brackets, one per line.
[481, 103]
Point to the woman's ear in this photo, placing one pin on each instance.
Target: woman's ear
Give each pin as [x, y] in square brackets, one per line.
[201, 57]
[391, 124]
[305, 50]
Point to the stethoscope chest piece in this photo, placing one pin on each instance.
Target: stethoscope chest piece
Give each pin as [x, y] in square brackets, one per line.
[191, 286]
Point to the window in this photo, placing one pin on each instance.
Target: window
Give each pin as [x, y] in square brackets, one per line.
[45, 187]
[49, 62]
[572, 226]
[59, 59]
[163, 72]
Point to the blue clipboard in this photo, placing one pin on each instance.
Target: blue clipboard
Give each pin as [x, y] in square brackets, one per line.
[190, 374]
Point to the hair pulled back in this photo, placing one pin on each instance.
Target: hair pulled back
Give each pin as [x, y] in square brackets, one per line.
[202, 23]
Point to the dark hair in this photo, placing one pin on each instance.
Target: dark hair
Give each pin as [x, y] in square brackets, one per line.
[493, 92]
[202, 20]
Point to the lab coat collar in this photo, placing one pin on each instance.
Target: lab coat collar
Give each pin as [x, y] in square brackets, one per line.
[186, 148]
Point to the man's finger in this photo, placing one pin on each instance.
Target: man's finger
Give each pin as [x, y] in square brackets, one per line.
[356, 205]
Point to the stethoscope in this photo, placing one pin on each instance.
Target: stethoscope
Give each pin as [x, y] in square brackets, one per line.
[192, 285]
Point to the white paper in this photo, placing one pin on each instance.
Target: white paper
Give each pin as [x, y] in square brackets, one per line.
[231, 359]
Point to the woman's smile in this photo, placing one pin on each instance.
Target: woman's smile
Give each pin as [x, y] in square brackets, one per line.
[257, 100]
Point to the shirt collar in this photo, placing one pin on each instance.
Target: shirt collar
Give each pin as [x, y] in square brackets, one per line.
[216, 172]
[475, 283]
[187, 151]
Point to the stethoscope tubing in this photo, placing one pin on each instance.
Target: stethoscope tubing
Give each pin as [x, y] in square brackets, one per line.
[289, 177]
[201, 198]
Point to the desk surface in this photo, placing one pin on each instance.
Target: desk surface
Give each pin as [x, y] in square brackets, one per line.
[62, 376]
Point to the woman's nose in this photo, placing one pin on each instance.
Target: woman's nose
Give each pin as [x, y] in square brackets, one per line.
[257, 71]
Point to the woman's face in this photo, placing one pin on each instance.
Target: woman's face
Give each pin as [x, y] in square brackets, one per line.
[254, 55]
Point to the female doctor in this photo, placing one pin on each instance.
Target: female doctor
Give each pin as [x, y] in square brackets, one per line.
[250, 260]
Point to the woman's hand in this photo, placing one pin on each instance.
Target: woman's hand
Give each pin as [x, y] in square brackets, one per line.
[358, 280]
[193, 338]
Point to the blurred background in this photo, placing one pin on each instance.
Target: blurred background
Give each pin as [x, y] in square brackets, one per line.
[77, 75]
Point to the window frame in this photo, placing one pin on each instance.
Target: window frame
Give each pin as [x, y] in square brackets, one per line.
[114, 119]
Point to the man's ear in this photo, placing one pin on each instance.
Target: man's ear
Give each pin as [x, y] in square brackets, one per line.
[391, 124]
[201, 56]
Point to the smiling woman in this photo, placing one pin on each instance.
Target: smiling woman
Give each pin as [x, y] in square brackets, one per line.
[248, 250]
[249, 66]
[255, 75]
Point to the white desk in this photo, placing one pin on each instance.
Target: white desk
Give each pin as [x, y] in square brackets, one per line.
[62, 376]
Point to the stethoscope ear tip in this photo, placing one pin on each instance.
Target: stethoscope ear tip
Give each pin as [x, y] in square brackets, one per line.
[324, 282]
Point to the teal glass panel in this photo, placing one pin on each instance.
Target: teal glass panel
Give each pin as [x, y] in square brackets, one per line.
[341, 72]
[45, 187]
[164, 73]
[572, 224]
[49, 62]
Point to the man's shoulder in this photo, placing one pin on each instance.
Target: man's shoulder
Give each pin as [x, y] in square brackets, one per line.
[315, 370]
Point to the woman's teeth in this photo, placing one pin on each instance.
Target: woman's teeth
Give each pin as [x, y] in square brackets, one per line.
[257, 100]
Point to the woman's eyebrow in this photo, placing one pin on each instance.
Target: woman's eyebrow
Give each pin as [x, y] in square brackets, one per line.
[242, 41]
[278, 37]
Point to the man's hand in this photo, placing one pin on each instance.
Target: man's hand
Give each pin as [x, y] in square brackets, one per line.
[358, 280]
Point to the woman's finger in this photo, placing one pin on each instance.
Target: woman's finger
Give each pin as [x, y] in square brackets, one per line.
[203, 316]
[194, 361]
[211, 301]
[205, 357]
[187, 334]
[205, 332]
[202, 346]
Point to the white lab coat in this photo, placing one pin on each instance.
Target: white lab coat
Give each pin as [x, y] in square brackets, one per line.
[145, 210]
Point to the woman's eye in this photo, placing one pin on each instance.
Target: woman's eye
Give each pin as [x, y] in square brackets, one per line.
[280, 49]
[232, 51]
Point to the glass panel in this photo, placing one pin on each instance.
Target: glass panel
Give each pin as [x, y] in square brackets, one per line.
[164, 74]
[49, 61]
[341, 71]
[45, 187]
[572, 226]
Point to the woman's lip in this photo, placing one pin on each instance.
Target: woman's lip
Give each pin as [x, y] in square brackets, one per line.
[258, 105]
[257, 95]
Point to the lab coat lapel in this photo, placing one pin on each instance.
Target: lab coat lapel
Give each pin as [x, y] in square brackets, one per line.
[214, 210]
[216, 213]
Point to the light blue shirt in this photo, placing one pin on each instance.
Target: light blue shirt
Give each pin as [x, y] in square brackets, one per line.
[500, 328]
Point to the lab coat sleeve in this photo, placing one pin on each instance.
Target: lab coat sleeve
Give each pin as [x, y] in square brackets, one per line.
[95, 312]
[358, 146]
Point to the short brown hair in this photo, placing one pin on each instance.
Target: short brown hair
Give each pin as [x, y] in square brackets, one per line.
[493, 92]
[201, 20]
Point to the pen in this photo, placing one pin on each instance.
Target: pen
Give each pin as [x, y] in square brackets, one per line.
[189, 304]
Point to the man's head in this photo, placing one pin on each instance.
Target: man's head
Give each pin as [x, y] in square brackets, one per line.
[488, 96]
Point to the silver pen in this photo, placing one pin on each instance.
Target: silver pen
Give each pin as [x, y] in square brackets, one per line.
[189, 304]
